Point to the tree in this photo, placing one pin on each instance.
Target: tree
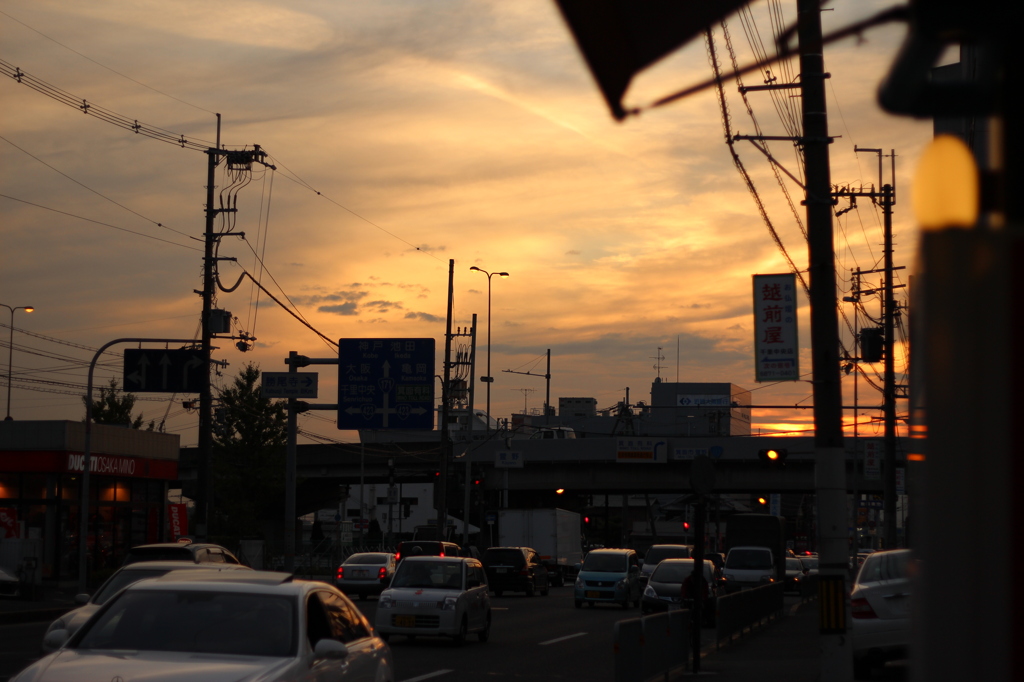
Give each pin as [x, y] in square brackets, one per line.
[250, 434]
[115, 407]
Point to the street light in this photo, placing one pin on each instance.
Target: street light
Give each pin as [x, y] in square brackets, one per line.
[10, 353]
[489, 379]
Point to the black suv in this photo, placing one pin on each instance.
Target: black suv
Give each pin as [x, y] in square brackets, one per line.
[515, 569]
[192, 552]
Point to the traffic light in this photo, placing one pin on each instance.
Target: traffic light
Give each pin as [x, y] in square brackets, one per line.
[762, 501]
[872, 346]
[773, 456]
[686, 525]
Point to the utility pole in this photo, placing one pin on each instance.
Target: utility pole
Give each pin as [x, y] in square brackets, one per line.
[238, 160]
[441, 489]
[885, 197]
[547, 377]
[830, 462]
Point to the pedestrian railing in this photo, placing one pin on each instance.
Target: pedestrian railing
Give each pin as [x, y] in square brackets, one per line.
[747, 609]
[651, 646]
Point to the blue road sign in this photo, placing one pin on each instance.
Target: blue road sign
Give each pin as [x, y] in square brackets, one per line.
[385, 384]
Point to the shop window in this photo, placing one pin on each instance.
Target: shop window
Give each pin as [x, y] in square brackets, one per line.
[8, 486]
[70, 487]
[33, 486]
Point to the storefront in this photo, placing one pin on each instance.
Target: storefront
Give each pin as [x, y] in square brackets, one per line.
[41, 465]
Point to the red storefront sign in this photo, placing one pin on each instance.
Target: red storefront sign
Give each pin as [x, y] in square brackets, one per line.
[41, 461]
[9, 528]
[177, 516]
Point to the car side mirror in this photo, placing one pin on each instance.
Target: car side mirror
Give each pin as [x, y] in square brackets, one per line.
[329, 648]
[82, 598]
[634, 569]
[578, 567]
[55, 639]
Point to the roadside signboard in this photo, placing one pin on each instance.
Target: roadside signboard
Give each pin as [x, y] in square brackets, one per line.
[161, 370]
[641, 451]
[508, 459]
[775, 328]
[385, 384]
[289, 384]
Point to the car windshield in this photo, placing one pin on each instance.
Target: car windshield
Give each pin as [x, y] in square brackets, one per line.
[678, 571]
[367, 559]
[443, 575]
[658, 554]
[504, 557]
[748, 559]
[195, 622]
[123, 579]
[605, 563]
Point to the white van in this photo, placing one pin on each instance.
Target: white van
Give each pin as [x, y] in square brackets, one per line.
[748, 567]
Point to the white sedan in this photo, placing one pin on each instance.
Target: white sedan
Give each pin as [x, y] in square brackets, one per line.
[880, 606]
[219, 627]
[436, 596]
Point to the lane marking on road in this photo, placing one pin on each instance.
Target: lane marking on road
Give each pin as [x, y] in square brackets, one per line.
[562, 639]
[436, 673]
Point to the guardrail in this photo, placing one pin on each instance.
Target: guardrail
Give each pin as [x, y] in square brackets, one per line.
[652, 646]
[746, 609]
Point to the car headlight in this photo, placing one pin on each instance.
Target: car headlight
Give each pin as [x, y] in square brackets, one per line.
[448, 604]
[649, 592]
[622, 584]
[385, 602]
[58, 624]
[579, 582]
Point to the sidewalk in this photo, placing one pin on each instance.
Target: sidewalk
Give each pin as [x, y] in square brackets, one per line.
[786, 649]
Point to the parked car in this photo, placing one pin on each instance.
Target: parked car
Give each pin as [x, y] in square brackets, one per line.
[747, 567]
[657, 553]
[122, 578]
[880, 606]
[365, 573]
[795, 573]
[432, 595]
[515, 569]
[219, 625]
[426, 548]
[195, 552]
[671, 586]
[608, 575]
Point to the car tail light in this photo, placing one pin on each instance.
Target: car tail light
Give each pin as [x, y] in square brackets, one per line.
[860, 608]
[341, 572]
[382, 573]
[442, 553]
[398, 555]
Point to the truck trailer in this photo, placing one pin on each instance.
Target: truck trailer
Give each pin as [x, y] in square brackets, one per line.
[553, 533]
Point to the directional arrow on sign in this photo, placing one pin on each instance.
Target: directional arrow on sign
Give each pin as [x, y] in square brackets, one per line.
[165, 366]
[139, 375]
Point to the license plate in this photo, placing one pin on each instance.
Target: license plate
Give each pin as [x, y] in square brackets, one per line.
[359, 574]
[593, 594]
[405, 621]
[501, 570]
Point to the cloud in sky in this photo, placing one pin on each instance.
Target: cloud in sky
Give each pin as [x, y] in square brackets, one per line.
[406, 134]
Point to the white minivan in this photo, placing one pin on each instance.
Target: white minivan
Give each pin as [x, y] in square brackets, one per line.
[748, 567]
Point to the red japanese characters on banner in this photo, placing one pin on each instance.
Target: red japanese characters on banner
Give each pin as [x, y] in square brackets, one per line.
[9, 527]
[177, 515]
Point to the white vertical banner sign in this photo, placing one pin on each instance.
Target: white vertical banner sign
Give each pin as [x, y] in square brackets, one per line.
[775, 328]
[872, 462]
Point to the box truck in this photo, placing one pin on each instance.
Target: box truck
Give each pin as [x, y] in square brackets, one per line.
[553, 533]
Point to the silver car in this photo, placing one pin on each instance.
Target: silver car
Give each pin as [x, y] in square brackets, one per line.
[436, 596]
[365, 573]
[221, 627]
[122, 578]
[880, 606]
